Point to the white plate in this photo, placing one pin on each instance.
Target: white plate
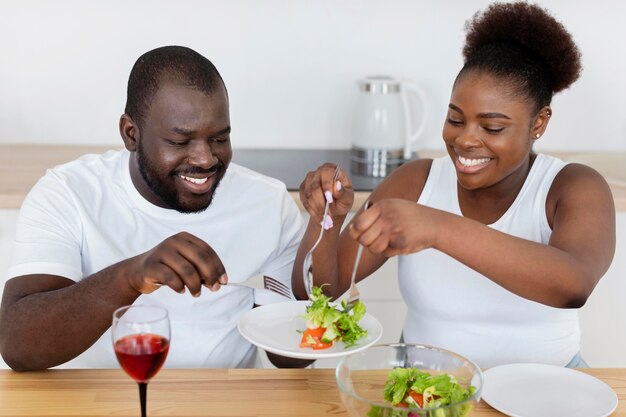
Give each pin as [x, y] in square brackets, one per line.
[275, 328]
[536, 390]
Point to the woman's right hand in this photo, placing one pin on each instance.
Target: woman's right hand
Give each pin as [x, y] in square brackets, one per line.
[318, 186]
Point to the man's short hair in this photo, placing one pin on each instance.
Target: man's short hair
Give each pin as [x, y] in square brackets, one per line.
[175, 63]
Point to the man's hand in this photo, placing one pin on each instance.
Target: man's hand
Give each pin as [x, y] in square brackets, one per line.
[180, 261]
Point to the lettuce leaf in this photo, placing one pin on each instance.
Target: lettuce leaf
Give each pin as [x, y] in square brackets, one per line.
[340, 324]
[437, 390]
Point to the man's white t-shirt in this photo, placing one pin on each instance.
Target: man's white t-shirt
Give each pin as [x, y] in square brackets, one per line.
[86, 215]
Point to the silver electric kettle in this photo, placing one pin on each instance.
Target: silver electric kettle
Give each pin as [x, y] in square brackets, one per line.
[384, 127]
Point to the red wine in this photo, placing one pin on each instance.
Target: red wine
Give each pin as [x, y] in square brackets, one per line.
[142, 355]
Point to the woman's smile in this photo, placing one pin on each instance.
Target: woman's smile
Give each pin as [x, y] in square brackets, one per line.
[469, 165]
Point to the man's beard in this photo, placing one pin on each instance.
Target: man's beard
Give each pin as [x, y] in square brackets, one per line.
[167, 193]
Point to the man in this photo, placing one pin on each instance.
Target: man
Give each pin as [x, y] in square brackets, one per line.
[151, 224]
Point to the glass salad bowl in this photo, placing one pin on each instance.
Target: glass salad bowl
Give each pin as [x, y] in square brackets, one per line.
[450, 384]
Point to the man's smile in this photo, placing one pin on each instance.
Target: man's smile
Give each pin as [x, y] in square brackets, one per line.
[198, 181]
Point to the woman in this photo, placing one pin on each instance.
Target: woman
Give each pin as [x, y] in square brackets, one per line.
[499, 245]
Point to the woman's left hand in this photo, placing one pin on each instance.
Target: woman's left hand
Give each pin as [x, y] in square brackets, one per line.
[395, 227]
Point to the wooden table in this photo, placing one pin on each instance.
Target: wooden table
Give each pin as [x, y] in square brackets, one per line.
[200, 392]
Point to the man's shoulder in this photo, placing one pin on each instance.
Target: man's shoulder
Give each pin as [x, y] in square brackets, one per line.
[87, 168]
[242, 176]
[89, 162]
[87, 174]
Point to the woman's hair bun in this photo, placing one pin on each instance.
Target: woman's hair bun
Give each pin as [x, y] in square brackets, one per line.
[533, 29]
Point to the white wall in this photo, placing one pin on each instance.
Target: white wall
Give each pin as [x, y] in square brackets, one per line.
[290, 65]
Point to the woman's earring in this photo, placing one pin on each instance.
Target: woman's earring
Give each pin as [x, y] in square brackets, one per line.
[537, 135]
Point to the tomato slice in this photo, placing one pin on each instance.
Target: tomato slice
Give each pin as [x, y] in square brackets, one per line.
[313, 338]
[417, 397]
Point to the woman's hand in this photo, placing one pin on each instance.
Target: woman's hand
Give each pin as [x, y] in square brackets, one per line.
[395, 227]
[318, 187]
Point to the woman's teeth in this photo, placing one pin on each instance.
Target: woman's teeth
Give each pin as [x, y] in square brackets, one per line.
[195, 180]
[467, 162]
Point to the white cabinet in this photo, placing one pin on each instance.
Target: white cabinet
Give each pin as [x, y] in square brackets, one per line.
[603, 318]
[381, 296]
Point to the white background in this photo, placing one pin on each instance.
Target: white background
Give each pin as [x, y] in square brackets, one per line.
[290, 65]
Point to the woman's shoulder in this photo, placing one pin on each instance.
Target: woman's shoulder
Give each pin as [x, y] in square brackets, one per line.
[577, 184]
[405, 182]
[576, 178]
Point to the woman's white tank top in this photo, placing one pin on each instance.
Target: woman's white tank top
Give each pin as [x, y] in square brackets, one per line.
[455, 307]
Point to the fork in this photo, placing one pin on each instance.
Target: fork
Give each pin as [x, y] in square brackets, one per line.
[269, 284]
[353, 292]
[307, 266]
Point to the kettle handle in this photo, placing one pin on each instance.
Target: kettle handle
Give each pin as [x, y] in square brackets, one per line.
[412, 133]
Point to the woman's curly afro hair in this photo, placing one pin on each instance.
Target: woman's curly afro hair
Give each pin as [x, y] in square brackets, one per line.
[523, 43]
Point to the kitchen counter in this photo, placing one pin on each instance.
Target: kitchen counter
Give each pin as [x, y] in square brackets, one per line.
[201, 392]
[22, 165]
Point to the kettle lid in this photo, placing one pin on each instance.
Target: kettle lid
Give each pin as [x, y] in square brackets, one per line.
[380, 84]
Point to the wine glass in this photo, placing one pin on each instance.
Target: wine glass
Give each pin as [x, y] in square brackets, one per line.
[141, 339]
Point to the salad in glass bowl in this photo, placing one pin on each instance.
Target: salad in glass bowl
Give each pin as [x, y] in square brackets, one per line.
[408, 380]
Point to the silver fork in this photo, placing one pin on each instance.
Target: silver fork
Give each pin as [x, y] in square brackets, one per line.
[307, 266]
[269, 284]
[353, 292]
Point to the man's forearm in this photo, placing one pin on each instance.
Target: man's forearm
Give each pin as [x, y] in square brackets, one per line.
[285, 362]
[48, 328]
